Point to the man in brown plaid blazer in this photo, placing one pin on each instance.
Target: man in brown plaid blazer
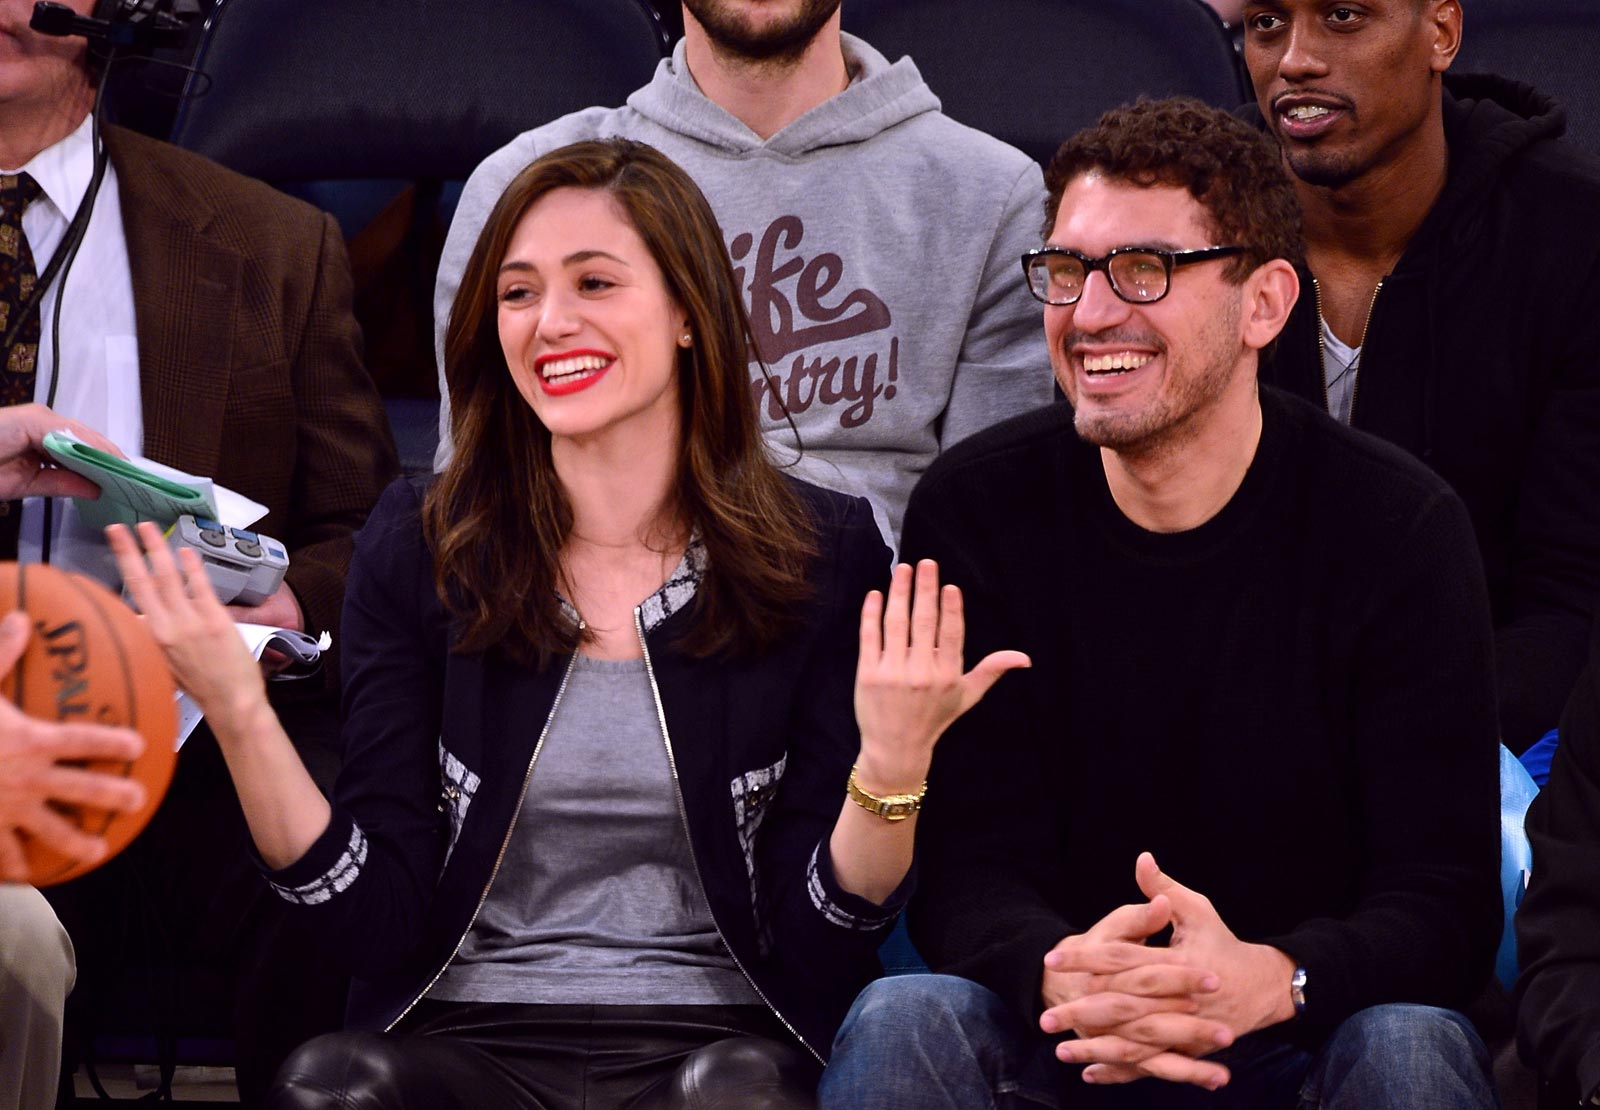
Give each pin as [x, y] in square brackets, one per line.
[248, 371]
[250, 365]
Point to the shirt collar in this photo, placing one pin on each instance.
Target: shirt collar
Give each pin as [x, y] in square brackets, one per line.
[64, 168]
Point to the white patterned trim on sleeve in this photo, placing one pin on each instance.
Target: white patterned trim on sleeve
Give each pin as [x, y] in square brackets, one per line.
[337, 878]
[836, 914]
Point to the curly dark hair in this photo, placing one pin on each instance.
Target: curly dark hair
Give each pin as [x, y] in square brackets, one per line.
[1231, 168]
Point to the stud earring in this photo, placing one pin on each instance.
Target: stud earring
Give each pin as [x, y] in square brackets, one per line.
[686, 339]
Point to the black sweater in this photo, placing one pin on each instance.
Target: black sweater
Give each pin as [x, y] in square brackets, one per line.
[1558, 925]
[1290, 705]
[1482, 358]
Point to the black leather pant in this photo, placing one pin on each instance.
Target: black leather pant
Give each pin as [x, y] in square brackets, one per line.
[484, 1056]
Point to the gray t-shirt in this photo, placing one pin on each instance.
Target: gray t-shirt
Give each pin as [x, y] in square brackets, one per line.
[597, 900]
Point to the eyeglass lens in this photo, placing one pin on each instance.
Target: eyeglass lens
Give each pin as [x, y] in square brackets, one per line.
[1135, 276]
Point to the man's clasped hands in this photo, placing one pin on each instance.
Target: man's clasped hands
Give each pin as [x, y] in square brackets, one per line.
[1145, 1010]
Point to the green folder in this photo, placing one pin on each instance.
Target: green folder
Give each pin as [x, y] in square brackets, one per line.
[128, 492]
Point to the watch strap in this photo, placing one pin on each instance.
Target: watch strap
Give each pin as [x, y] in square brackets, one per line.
[890, 807]
[1297, 990]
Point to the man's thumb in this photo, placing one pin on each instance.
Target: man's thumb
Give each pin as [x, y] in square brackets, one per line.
[1151, 879]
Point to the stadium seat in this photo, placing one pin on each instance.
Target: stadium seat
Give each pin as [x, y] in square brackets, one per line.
[1549, 44]
[1032, 72]
[377, 110]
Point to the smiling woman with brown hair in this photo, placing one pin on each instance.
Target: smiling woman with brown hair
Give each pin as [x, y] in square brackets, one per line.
[598, 840]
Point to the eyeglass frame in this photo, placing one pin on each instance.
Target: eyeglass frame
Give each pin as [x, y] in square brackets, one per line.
[1170, 260]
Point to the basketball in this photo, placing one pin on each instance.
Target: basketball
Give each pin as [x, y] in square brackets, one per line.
[90, 660]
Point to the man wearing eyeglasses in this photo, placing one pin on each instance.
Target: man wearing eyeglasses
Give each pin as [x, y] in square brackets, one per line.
[1191, 837]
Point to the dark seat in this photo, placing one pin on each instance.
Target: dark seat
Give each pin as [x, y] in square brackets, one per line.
[1032, 72]
[404, 88]
[1549, 44]
[377, 110]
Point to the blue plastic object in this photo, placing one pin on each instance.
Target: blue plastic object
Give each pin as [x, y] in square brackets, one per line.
[1517, 790]
[1537, 758]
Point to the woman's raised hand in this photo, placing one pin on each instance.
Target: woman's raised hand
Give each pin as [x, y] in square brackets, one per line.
[207, 656]
[909, 682]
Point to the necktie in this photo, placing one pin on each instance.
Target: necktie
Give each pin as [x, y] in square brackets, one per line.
[17, 278]
[17, 275]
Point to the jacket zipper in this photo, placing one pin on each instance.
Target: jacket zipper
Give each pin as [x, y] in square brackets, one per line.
[484, 897]
[683, 816]
[1322, 345]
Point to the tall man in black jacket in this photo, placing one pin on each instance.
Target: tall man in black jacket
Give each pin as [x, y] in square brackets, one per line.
[1453, 267]
[1253, 633]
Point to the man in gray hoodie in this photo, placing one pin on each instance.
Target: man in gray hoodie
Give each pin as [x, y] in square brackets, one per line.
[876, 239]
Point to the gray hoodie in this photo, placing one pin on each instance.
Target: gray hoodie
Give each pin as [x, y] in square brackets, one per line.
[876, 241]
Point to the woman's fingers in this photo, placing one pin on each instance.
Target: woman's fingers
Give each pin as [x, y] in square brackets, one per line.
[925, 613]
[897, 615]
[871, 632]
[952, 626]
[132, 566]
[164, 572]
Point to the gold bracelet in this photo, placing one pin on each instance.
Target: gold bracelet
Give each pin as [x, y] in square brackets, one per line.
[891, 807]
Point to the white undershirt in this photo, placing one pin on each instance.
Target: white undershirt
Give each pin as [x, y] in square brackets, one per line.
[99, 344]
[1340, 365]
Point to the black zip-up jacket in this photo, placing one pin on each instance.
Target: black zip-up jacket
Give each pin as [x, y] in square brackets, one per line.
[439, 747]
[1482, 358]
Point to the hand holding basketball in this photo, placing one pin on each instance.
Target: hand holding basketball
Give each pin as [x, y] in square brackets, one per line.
[34, 780]
[192, 627]
[79, 677]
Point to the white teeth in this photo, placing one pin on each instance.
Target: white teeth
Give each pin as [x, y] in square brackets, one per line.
[1305, 112]
[566, 367]
[1121, 361]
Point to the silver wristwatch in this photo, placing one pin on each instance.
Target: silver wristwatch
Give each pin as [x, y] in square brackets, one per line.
[1297, 990]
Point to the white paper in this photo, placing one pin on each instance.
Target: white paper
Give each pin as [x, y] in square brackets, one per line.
[304, 653]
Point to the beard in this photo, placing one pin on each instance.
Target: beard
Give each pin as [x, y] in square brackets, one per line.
[1326, 169]
[1196, 379]
[781, 41]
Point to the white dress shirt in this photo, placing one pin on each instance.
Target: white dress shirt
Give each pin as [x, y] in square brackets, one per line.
[99, 354]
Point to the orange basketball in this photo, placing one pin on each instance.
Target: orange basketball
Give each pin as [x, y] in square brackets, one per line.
[90, 660]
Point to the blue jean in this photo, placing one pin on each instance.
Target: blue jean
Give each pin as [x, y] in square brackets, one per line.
[921, 1042]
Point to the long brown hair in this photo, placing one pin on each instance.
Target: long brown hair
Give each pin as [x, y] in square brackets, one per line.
[497, 517]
